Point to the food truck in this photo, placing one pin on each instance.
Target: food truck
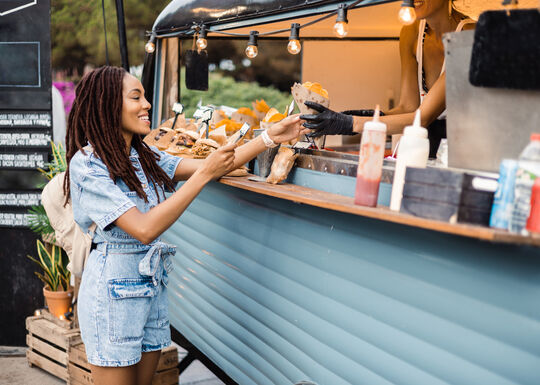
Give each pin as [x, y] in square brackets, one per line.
[293, 283]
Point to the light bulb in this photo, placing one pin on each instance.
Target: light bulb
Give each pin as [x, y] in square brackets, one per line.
[37, 313]
[252, 51]
[407, 15]
[202, 43]
[294, 47]
[341, 29]
[150, 47]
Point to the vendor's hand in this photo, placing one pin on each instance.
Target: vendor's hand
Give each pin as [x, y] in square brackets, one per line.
[219, 162]
[287, 129]
[327, 122]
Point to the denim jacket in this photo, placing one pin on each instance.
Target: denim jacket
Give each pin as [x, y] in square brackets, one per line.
[97, 198]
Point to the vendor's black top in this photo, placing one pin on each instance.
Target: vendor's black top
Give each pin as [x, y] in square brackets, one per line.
[180, 15]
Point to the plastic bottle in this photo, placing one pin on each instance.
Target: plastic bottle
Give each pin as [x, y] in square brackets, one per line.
[533, 223]
[370, 162]
[413, 151]
[503, 201]
[528, 170]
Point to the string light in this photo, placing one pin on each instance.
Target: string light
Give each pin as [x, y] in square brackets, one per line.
[202, 43]
[294, 47]
[252, 50]
[37, 313]
[341, 28]
[150, 47]
[407, 15]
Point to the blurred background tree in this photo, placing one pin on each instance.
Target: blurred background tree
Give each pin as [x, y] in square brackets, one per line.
[78, 40]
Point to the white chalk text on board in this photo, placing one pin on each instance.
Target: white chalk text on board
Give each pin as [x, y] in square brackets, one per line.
[25, 139]
[23, 199]
[36, 160]
[25, 120]
[14, 219]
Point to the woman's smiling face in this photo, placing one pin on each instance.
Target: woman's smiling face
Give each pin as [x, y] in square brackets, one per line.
[426, 8]
[135, 107]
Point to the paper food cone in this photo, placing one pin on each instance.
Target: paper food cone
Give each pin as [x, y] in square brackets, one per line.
[243, 118]
[301, 94]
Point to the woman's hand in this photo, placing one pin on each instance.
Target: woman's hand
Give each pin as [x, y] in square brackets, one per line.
[327, 122]
[287, 129]
[219, 162]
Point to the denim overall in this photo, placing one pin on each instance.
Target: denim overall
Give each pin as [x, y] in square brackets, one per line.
[122, 301]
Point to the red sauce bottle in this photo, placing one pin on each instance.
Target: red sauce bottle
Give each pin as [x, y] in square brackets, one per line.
[370, 162]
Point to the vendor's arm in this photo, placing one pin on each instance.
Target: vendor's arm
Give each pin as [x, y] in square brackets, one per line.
[328, 122]
[409, 99]
[432, 106]
[403, 114]
[284, 131]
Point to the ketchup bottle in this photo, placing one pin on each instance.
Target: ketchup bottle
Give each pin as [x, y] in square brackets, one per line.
[533, 222]
[370, 162]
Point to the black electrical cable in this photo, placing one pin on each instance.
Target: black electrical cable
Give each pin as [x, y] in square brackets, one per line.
[122, 39]
[196, 27]
[105, 30]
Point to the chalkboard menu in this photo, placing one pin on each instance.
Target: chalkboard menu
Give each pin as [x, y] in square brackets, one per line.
[25, 100]
[25, 135]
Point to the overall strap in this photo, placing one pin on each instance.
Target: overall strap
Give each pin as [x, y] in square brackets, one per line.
[420, 57]
[459, 28]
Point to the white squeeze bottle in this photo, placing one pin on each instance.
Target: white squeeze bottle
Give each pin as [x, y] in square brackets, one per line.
[413, 151]
[370, 162]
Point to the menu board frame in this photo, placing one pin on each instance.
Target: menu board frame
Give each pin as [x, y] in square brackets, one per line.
[23, 139]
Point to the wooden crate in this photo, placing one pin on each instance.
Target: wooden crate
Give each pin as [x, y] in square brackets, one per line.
[166, 372]
[60, 351]
[49, 345]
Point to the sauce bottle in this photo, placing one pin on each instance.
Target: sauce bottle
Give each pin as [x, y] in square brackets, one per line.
[528, 170]
[533, 222]
[413, 151]
[370, 162]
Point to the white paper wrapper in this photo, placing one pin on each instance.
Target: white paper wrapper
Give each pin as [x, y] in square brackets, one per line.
[282, 165]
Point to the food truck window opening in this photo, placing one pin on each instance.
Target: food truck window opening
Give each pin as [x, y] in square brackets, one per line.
[321, 48]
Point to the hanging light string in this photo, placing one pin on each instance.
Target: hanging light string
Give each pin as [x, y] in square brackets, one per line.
[200, 31]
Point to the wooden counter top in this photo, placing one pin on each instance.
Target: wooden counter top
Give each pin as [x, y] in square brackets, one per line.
[345, 204]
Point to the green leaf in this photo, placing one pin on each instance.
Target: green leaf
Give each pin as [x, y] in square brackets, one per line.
[43, 279]
[38, 221]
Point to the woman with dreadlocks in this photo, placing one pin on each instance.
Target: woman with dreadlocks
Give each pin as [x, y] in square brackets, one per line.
[117, 182]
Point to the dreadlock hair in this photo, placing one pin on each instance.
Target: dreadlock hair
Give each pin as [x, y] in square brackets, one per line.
[96, 118]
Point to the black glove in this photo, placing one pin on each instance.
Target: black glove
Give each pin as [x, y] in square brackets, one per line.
[327, 122]
[361, 112]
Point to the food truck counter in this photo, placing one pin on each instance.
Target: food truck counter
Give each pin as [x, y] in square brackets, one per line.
[345, 204]
[283, 284]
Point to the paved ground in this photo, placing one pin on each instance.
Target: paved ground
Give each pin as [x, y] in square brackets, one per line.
[14, 370]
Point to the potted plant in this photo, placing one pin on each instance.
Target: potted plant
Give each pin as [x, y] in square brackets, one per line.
[51, 258]
[57, 291]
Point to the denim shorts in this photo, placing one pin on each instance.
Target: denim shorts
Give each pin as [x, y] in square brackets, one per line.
[123, 309]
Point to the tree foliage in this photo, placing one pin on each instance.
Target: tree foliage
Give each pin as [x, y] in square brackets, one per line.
[225, 90]
[78, 37]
